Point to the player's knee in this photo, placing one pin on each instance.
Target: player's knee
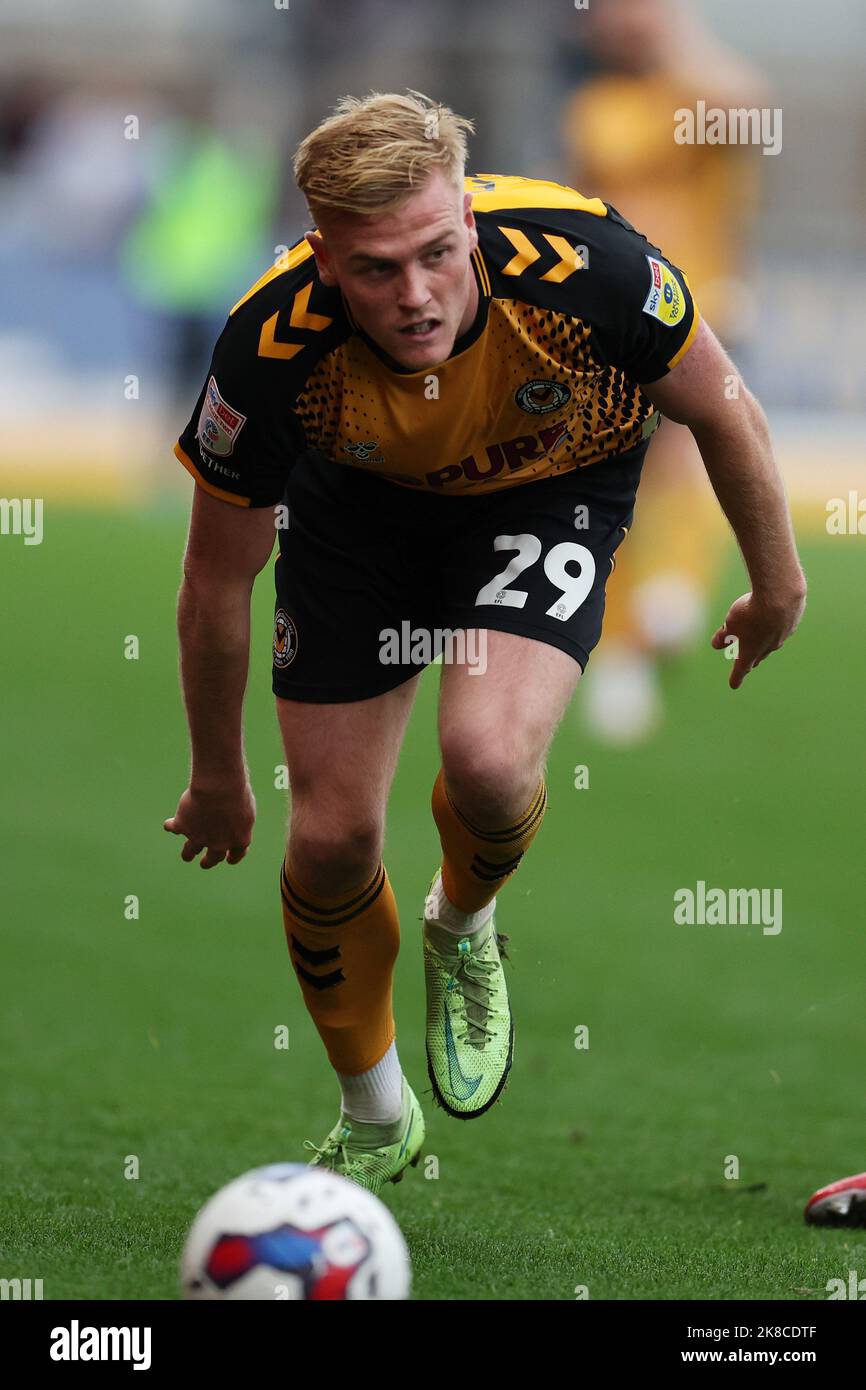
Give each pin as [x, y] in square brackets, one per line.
[488, 777]
[332, 858]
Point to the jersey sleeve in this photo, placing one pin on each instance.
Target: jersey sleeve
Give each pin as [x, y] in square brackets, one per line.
[235, 444]
[647, 317]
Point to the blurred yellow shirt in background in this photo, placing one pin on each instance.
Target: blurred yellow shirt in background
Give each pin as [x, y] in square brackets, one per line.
[696, 202]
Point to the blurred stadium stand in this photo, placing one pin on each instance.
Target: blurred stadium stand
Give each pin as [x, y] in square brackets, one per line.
[75, 322]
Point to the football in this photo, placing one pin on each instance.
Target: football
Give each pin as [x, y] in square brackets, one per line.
[288, 1231]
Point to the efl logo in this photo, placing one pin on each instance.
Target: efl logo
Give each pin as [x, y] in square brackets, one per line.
[218, 424]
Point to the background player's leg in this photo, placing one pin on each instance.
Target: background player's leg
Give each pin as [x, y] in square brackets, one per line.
[657, 598]
[494, 732]
[339, 911]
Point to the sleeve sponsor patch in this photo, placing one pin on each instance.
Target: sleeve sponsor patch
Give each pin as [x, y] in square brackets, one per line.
[218, 424]
[665, 300]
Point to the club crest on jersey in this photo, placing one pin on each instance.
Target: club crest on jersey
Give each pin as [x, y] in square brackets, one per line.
[665, 300]
[538, 397]
[218, 424]
[285, 640]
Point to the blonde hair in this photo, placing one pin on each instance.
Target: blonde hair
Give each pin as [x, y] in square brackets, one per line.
[373, 152]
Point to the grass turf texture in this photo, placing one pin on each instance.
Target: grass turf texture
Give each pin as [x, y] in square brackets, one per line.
[603, 1167]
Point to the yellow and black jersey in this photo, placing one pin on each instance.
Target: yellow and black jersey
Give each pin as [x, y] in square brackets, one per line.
[576, 309]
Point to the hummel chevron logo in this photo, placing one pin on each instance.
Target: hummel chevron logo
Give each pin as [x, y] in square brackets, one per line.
[571, 258]
[461, 1086]
[301, 317]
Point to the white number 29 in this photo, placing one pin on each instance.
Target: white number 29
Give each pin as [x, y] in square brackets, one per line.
[573, 588]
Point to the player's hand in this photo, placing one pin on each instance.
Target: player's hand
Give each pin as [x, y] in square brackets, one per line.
[218, 820]
[760, 628]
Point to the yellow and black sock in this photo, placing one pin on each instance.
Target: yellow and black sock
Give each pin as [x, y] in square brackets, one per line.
[476, 863]
[343, 950]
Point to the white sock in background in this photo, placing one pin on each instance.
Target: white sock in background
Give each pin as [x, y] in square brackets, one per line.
[443, 913]
[375, 1096]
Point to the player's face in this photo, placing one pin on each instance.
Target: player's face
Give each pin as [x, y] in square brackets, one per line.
[406, 274]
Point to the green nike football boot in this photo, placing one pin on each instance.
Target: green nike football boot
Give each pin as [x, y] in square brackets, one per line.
[373, 1154]
[470, 1031]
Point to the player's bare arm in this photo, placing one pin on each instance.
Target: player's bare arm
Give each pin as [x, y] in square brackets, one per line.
[735, 445]
[226, 549]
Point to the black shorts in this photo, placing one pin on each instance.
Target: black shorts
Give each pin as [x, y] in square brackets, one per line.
[373, 576]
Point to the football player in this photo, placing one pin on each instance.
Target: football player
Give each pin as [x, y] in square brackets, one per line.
[440, 399]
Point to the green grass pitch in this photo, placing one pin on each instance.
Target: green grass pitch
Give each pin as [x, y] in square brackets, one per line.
[602, 1167]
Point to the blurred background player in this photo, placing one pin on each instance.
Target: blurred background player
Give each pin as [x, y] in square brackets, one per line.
[646, 59]
[179, 260]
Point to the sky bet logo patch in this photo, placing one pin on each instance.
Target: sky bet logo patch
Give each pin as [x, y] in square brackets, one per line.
[665, 299]
[218, 424]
